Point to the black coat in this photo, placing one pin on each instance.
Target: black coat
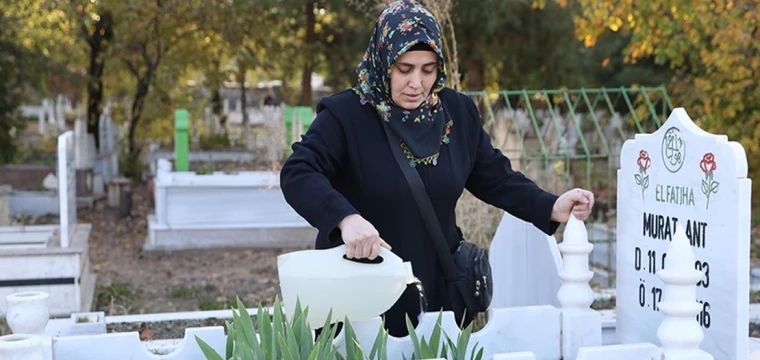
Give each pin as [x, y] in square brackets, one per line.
[343, 165]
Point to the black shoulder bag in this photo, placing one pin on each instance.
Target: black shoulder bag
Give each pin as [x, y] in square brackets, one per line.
[468, 270]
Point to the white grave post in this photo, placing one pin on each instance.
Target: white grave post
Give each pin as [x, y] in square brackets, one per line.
[682, 175]
[67, 191]
[679, 334]
[581, 325]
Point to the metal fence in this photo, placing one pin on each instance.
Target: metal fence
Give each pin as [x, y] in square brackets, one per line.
[566, 138]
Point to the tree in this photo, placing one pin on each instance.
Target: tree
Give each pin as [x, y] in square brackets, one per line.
[518, 44]
[147, 34]
[713, 47]
[93, 25]
[11, 58]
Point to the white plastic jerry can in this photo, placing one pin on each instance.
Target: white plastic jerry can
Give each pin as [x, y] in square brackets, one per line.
[325, 280]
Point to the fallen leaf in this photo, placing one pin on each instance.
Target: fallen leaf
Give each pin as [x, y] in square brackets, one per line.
[146, 334]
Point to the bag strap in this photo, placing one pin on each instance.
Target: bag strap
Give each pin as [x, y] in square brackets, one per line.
[446, 260]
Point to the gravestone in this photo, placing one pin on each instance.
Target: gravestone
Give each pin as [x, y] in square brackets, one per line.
[5, 205]
[682, 175]
[67, 191]
[181, 145]
[525, 265]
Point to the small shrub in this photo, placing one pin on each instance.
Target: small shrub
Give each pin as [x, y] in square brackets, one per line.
[131, 166]
[214, 141]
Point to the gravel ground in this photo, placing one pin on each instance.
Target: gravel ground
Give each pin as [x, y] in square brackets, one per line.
[131, 281]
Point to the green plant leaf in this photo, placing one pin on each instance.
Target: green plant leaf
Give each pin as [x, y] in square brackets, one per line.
[435, 337]
[316, 352]
[245, 323]
[301, 330]
[417, 353]
[265, 332]
[379, 348]
[230, 338]
[278, 327]
[479, 355]
[242, 352]
[291, 340]
[207, 350]
[462, 341]
[287, 352]
[353, 349]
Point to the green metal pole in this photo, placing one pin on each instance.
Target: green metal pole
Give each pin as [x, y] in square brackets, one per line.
[181, 141]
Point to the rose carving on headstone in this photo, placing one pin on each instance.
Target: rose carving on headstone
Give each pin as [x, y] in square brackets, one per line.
[709, 186]
[642, 178]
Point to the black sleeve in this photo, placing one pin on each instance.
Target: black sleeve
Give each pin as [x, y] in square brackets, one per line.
[493, 181]
[305, 176]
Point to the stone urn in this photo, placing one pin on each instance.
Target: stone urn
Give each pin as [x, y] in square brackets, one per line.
[28, 312]
[21, 347]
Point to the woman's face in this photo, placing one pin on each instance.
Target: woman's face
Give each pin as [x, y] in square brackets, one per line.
[412, 76]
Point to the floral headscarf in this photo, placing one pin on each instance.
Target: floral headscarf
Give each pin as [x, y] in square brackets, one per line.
[401, 25]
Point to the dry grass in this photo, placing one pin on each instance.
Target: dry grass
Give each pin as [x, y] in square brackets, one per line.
[4, 329]
[477, 219]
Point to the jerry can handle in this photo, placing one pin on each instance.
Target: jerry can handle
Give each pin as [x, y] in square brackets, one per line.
[377, 260]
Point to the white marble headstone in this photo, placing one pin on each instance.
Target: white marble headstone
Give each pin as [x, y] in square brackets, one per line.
[683, 175]
[67, 191]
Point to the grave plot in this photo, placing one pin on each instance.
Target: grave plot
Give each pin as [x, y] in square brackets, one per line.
[222, 210]
[219, 209]
[33, 180]
[51, 258]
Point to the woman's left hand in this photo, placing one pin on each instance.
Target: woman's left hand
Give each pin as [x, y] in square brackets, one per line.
[579, 202]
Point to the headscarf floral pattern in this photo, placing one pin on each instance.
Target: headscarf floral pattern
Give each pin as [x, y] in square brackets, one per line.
[401, 25]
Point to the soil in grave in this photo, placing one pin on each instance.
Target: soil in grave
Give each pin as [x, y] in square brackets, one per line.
[174, 329]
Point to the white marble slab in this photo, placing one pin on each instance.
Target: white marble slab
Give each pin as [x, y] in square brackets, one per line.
[683, 174]
[525, 263]
[642, 351]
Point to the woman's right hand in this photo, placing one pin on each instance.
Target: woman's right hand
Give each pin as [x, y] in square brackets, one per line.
[361, 238]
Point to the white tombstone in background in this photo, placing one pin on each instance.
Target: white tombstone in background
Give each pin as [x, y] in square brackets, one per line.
[50, 108]
[41, 118]
[5, 205]
[67, 191]
[682, 175]
[525, 264]
[60, 112]
[84, 146]
[109, 149]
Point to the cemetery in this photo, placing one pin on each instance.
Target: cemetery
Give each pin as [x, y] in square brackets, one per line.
[676, 296]
[142, 215]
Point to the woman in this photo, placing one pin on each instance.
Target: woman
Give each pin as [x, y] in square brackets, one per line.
[344, 180]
